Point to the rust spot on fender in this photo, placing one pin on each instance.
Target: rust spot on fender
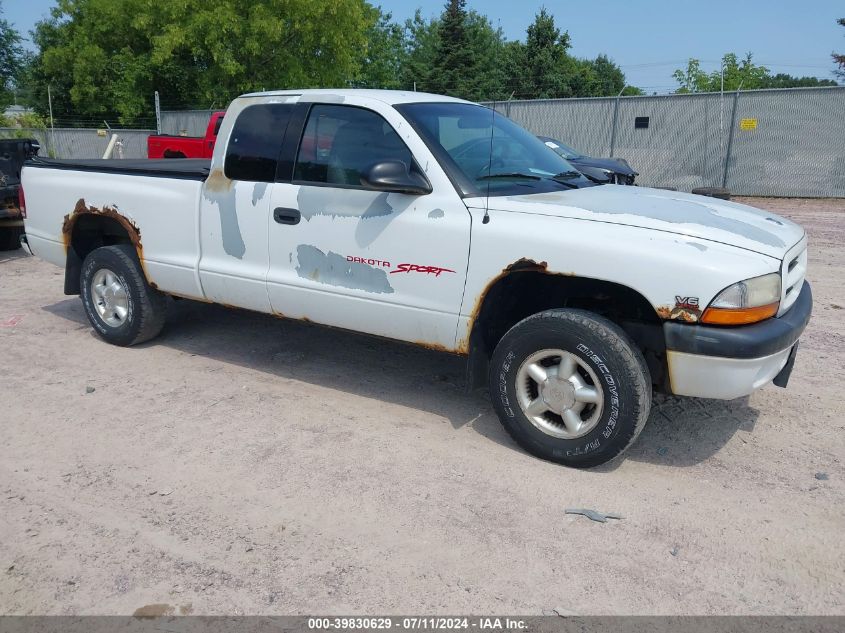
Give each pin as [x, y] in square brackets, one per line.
[678, 313]
[129, 225]
[521, 265]
[435, 347]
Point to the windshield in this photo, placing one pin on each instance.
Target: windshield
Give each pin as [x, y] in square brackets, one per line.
[486, 153]
[559, 148]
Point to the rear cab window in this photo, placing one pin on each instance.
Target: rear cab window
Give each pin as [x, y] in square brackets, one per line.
[255, 143]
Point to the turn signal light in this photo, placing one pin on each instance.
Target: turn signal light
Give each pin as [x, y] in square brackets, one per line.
[739, 316]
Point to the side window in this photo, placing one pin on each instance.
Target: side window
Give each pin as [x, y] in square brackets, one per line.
[255, 142]
[340, 143]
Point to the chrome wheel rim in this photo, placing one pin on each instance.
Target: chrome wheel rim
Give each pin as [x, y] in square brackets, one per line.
[559, 393]
[110, 297]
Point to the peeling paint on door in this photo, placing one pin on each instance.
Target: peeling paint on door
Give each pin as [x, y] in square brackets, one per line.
[334, 270]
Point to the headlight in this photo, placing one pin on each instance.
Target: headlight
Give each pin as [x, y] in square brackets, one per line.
[745, 302]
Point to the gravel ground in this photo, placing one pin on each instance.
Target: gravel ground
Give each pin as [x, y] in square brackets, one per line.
[245, 464]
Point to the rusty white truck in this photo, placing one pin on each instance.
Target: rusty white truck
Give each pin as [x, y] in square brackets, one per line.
[439, 222]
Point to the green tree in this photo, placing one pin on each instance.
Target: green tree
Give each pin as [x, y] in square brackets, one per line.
[744, 74]
[838, 58]
[12, 59]
[542, 67]
[610, 80]
[547, 69]
[691, 79]
[782, 80]
[421, 38]
[434, 64]
[452, 57]
[385, 57]
[105, 57]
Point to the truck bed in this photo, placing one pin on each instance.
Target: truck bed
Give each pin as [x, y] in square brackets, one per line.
[184, 168]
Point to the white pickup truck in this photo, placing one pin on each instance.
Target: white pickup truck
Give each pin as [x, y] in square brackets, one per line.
[439, 222]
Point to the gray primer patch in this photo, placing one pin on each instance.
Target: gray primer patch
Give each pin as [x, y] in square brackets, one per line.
[436, 213]
[673, 209]
[258, 192]
[700, 247]
[341, 203]
[230, 230]
[333, 269]
[312, 98]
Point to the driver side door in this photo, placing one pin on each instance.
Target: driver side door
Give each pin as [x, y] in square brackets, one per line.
[385, 263]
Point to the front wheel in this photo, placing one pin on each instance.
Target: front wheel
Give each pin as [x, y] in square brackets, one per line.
[570, 387]
[123, 308]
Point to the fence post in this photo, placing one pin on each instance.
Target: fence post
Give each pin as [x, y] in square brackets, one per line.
[158, 114]
[613, 127]
[730, 141]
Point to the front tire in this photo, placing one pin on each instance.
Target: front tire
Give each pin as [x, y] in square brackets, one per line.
[121, 306]
[570, 387]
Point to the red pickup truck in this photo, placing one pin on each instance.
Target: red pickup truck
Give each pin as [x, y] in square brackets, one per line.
[172, 146]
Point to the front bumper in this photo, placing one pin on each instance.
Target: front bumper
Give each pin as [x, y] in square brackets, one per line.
[729, 362]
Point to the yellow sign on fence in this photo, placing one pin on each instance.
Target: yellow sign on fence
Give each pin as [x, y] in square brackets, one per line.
[748, 124]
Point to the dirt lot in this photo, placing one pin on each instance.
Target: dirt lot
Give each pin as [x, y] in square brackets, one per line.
[245, 464]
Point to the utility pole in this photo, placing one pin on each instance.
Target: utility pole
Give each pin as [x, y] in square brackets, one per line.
[158, 114]
[52, 126]
[730, 138]
[615, 113]
[722, 117]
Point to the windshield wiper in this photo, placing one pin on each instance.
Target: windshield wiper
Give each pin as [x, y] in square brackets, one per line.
[564, 177]
[509, 175]
[567, 174]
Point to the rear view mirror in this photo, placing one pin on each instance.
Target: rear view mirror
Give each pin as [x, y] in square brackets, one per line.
[395, 177]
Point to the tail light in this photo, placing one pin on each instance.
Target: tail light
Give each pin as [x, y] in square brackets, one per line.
[22, 202]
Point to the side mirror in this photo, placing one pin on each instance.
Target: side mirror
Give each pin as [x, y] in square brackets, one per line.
[394, 176]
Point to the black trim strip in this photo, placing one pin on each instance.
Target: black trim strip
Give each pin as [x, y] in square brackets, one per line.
[747, 341]
[179, 168]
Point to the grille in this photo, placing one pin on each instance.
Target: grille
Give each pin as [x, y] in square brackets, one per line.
[793, 270]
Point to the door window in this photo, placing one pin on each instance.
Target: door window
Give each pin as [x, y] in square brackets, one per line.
[341, 143]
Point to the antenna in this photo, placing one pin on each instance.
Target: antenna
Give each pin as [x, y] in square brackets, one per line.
[486, 218]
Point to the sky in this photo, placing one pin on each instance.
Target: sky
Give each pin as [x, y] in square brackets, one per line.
[649, 39]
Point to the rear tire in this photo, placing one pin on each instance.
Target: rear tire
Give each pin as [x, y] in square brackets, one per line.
[10, 238]
[120, 304]
[570, 387]
[712, 192]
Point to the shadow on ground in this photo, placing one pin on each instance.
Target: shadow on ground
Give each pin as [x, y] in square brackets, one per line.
[7, 256]
[680, 431]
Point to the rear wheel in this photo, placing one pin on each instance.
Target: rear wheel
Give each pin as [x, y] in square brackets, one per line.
[570, 387]
[118, 301]
[10, 238]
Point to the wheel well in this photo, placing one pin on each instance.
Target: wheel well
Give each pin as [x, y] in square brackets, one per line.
[172, 153]
[88, 232]
[519, 294]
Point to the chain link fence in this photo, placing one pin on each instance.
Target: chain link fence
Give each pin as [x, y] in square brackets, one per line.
[186, 122]
[788, 143]
[83, 143]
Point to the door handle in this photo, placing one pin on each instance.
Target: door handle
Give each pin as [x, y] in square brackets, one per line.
[286, 216]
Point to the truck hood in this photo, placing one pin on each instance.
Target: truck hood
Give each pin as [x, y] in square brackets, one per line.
[662, 210]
